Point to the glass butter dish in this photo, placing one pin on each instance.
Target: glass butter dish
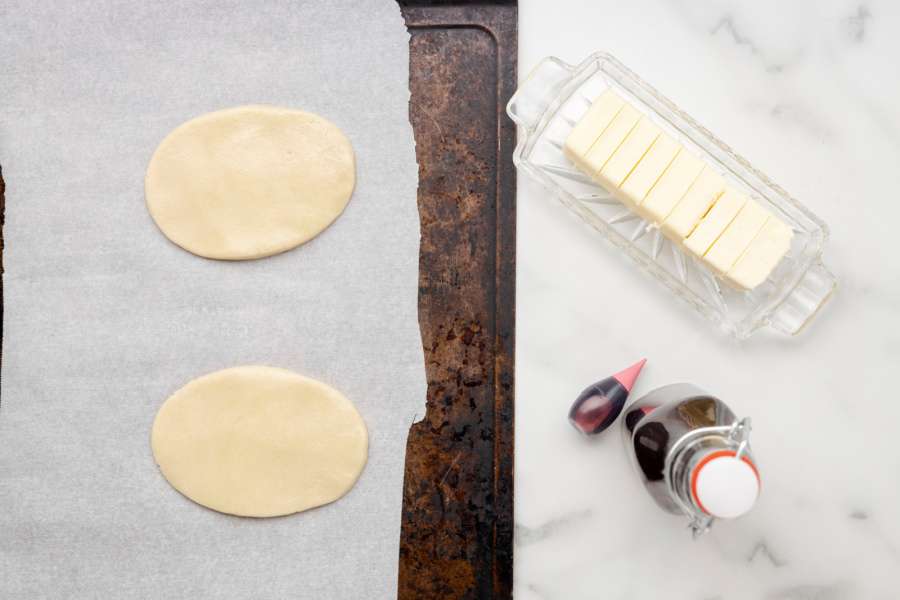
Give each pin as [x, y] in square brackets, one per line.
[547, 106]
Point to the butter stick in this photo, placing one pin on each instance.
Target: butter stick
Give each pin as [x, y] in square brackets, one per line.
[703, 193]
[670, 188]
[737, 237]
[762, 256]
[655, 176]
[592, 125]
[629, 154]
[714, 223]
[610, 140]
[649, 170]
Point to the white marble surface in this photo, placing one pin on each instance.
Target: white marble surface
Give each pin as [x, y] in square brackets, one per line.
[809, 92]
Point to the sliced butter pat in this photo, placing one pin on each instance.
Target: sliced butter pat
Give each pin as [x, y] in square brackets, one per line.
[629, 154]
[649, 170]
[592, 124]
[673, 184]
[695, 203]
[610, 140]
[714, 223]
[737, 237]
[762, 256]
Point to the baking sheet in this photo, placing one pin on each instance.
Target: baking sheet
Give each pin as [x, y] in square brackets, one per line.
[457, 531]
[104, 318]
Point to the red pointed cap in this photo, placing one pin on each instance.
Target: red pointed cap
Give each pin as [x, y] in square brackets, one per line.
[627, 376]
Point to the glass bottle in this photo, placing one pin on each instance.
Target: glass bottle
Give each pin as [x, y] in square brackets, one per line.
[692, 454]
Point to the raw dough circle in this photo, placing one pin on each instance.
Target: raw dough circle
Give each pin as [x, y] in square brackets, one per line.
[250, 181]
[259, 442]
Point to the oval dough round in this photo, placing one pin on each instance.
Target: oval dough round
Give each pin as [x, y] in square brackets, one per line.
[259, 442]
[250, 181]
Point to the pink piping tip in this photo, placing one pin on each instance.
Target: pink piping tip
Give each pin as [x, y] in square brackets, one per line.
[628, 376]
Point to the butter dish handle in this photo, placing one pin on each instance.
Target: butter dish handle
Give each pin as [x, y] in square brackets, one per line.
[539, 90]
[813, 290]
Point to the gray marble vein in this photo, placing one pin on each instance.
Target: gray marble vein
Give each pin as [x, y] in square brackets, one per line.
[530, 535]
[835, 591]
[855, 25]
[761, 550]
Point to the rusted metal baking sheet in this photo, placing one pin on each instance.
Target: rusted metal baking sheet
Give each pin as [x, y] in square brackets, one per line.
[457, 532]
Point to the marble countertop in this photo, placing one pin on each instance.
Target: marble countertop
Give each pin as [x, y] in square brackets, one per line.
[809, 92]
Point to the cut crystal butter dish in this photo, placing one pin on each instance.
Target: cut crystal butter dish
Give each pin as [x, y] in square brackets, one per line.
[546, 108]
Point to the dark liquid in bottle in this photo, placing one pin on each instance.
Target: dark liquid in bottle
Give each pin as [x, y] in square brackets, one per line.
[655, 422]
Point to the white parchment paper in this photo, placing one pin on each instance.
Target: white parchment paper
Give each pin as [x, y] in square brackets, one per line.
[105, 318]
